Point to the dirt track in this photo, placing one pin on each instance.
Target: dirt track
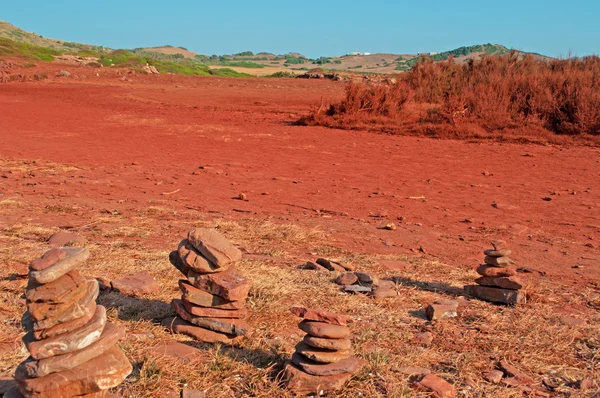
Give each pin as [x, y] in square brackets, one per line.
[135, 141]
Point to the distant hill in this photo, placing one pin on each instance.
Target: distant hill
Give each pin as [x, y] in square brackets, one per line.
[14, 40]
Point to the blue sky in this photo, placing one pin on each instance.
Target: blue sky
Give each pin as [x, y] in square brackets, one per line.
[317, 28]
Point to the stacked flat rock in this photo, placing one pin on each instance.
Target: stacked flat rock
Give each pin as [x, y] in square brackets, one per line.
[72, 347]
[214, 293]
[498, 282]
[324, 360]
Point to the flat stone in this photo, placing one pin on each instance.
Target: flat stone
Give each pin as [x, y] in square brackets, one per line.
[512, 371]
[62, 313]
[194, 259]
[205, 299]
[496, 294]
[571, 321]
[214, 246]
[347, 278]
[320, 316]
[328, 344]
[188, 393]
[441, 309]
[384, 292]
[209, 312]
[224, 325]
[512, 283]
[424, 338]
[330, 265]
[498, 261]
[70, 341]
[70, 305]
[229, 284]
[357, 289]
[493, 376]
[179, 351]
[303, 383]
[320, 355]
[366, 279]
[439, 387]
[413, 370]
[65, 238]
[136, 285]
[42, 272]
[324, 330]
[348, 365]
[56, 292]
[495, 272]
[32, 368]
[314, 266]
[497, 253]
[88, 312]
[101, 373]
[178, 263]
[48, 259]
[180, 326]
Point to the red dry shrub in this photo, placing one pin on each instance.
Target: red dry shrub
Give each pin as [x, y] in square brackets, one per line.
[512, 95]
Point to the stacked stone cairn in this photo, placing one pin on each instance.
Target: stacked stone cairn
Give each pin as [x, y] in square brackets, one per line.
[214, 293]
[324, 360]
[498, 282]
[72, 347]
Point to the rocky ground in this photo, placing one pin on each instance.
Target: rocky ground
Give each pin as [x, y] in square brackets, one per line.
[133, 164]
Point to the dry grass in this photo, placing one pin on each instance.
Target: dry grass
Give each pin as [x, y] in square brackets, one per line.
[531, 336]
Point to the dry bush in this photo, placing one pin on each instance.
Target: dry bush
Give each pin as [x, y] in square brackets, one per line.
[507, 95]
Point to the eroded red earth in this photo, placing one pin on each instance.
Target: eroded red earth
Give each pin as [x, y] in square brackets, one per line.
[143, 140]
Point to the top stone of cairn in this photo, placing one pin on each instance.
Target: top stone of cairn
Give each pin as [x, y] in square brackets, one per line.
[214, 246]
[56, 263]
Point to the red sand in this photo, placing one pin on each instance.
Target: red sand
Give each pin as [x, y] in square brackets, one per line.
[128, 136]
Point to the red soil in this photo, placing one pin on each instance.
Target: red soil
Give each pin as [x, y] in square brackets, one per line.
[135, 140]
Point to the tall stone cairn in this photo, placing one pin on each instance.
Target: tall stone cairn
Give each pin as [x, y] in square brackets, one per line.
[214, 294]
[72, 347]
[324, 360]
[498, 282]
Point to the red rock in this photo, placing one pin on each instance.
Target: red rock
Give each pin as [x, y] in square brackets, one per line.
[188, 393]
[209, 312]
[178, 325]
[136, 285]
[214, 246]
[314, 266]
[66, 238]
[70, 305]
[224, 325]
[441, 309]
[346, 279]
[424, 338]
[348, 365]
[493, 376]
[88, 312]
[497, 253]
[205, 299]
[320, 355]
[70, 341]
[61, 313]
[571, 321]
[179, 351]
[44, 272]
[496, 294]
[101, 373]
[31, 368]
[324, 330]
[178, 263]
[384, 292]
[48, 259]
[518, 377]
[21, 270]
[55, 292]
[366, 279]
[320, 316]
[195, 261]
[511, 283]
[328, 344]
[304, 383]
[495, 272]
[497, 261]
[330, 265]
[413, 370]
[228, 285]
[438, 387]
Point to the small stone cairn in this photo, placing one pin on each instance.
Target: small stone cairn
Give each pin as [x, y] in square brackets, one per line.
[214, 293]
[71, 344]
[324, 360]
[498, 282]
